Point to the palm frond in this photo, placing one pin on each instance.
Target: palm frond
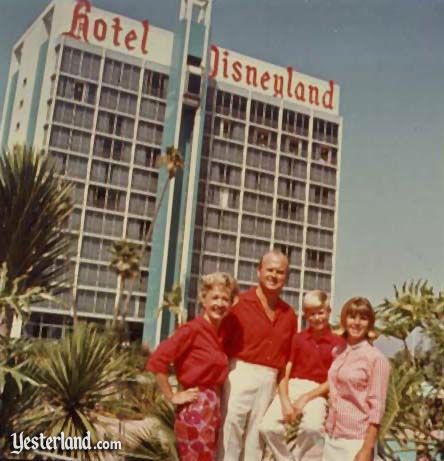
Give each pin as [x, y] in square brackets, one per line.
[34, 204]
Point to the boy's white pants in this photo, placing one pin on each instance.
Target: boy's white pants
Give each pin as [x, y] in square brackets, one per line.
[247, 393]
[311, 428]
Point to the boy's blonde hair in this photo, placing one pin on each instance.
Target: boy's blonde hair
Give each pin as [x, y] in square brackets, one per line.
[315, 299]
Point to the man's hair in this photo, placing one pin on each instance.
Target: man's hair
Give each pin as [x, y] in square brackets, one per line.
[276, 252]
[315, 299]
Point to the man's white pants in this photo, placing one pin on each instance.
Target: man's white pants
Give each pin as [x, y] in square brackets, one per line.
[311, 428]
[247, 393]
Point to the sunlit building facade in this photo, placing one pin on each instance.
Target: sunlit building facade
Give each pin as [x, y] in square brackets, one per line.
[105, 95]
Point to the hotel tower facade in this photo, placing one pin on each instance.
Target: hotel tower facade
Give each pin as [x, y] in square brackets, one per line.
[105, 95]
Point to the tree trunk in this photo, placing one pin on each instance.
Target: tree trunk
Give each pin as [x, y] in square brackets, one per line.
[119, 300]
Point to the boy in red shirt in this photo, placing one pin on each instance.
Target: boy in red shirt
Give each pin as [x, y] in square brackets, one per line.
[309, 361]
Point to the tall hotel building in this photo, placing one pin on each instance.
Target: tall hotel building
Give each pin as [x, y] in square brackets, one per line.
[105, 95]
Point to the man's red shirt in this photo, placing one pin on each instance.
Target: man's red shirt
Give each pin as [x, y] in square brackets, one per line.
[249, 335]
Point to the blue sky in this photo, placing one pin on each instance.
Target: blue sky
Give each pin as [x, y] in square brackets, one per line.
[387, 57]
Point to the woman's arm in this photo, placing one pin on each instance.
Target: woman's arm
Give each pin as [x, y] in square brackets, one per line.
[178, 398]
[366, 451]
[320, 391]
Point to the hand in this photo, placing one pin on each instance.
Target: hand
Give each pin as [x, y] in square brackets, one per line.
[299, 404]
[288, 413]
[364, 455]
[182, 397]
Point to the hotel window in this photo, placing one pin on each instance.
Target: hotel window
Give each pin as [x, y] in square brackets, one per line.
[294, 122]
[145, 180]
[110, 199]
[291, 188]
[291, 298]
[115, 124]
[70, 88]
[293, 253]
[258, 204]
[320, 238]
[223, 150]
[292, 167]
[216, 263]
[318, 260]
[324, 130]
[261, 159]
[294, 146]
[229, 129]
[109, 174]
[324, 154]
[152, 109]
[222, 197]
[101, 223]
[262, 138]
[73, 221]
[323, 175]
[247, 271]
[137, 228]
[71, 59]
[320, 217]
[254, 225]
[264, 114]
[290, 210]
[220, 243]
[121, 74]
[316, 281]
[96, 248]
[90, 67]
[142, 205]
[231, 104]
[155, 84]
[146, 156]
[104, 303]
[288, 232]
[77, 193]
[254, 249]
[221, 219]
[72, 114]
[115, 149]
[66, 138]
[322, 195]
[149, 133]
[224, 173]
[259, 181]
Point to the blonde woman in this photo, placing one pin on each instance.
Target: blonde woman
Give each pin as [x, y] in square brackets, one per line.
[201, 367]
[357, 387]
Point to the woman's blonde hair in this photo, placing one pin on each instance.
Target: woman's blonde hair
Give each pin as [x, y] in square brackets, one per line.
[363, 307]
[222, 279]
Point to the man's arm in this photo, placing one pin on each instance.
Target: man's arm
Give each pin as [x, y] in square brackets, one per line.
[288, 412]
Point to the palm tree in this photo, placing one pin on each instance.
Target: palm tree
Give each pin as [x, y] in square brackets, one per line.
[417, 376]
[80, 382]
[173, 162]
[34, 204]
[125, 262]
[172, 302]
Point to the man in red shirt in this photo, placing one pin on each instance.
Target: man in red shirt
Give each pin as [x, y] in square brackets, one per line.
[309, 361]
[257, 338]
